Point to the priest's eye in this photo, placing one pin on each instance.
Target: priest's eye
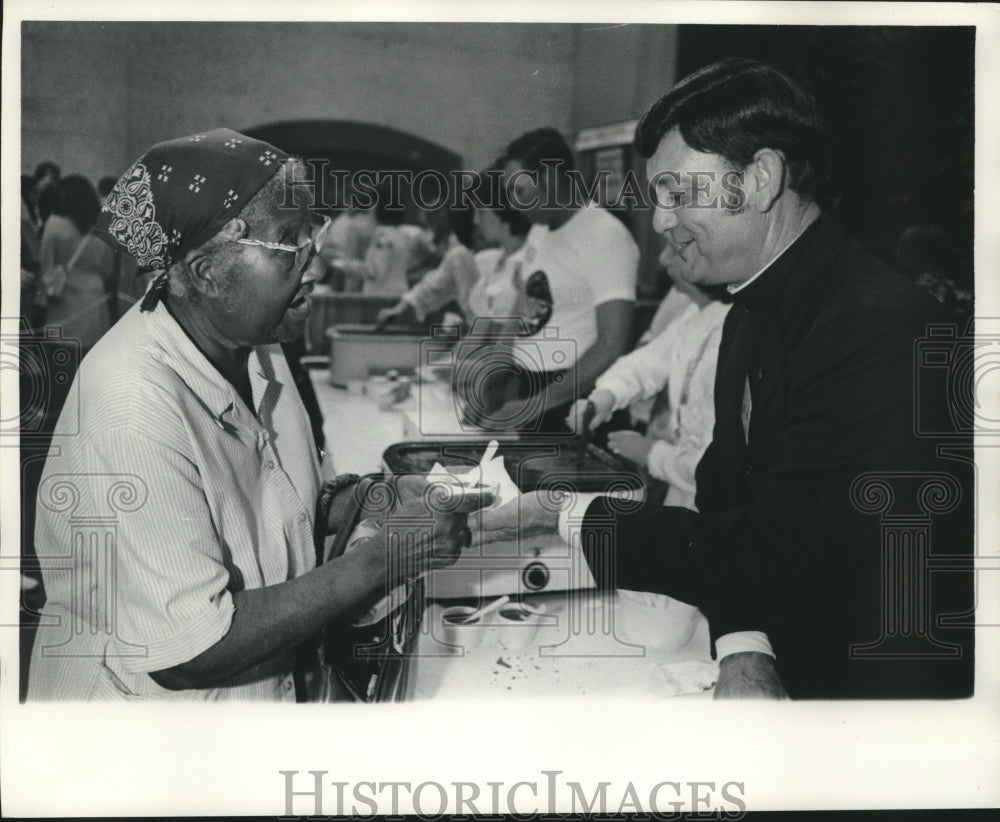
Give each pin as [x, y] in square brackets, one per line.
[672, 199]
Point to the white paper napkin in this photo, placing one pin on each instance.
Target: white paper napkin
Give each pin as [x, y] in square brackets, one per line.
[490, 476]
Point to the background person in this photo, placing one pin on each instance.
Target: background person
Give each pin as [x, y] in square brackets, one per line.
[77, 269]
[580, 265]
[32, 292]
[47, 175]
[105, 186]
[501, 233]
[678, 367]
[452, 228]
[351, 237]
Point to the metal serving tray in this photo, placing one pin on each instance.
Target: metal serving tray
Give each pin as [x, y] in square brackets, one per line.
[533, 463]
[530, 565]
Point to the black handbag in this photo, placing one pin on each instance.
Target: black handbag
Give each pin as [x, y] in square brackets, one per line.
[370, 661]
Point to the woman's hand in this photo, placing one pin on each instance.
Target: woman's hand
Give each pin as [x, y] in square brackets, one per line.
[429, 531]
[410, 486]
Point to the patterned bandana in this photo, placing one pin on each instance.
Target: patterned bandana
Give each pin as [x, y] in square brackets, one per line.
[180, 193]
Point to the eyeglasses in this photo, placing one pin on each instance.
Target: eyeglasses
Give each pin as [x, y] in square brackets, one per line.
[304, 253]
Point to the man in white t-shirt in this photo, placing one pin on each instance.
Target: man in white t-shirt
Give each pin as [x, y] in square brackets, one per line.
[579, 276]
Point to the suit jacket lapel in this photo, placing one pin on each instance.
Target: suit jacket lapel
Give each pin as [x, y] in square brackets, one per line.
[784, 317]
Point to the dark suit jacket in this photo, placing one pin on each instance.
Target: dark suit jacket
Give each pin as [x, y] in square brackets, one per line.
[797, 533]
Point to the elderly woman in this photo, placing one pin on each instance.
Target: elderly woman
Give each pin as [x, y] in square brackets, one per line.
[192, 437]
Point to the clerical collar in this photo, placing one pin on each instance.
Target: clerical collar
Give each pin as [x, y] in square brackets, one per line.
[760, 289]
[735, 289]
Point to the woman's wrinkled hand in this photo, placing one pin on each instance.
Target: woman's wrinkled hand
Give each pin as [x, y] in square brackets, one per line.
[430, 530]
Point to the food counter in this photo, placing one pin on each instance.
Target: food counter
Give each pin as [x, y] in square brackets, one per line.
[553, 633]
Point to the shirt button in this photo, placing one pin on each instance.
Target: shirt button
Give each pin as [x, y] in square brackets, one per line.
[269, 465]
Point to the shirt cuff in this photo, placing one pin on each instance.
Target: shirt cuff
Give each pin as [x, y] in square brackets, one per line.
[616, 388]
[742, 642]
[624, 296]
[572, 512]
[414, 303]
[659, 455]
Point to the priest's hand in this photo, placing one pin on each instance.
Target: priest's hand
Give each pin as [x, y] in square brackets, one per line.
[528, 515]
[749, 675]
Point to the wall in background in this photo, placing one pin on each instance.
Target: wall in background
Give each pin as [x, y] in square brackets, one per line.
[95, 95]
[900, 111]
[620, 71]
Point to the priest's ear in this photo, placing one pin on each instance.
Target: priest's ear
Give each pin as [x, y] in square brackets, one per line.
[766, 179]
[209, 264]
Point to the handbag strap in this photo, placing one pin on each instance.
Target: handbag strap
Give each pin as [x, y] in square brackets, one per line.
[348, 520]
[77, 251]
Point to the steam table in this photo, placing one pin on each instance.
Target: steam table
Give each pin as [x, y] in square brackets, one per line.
[580, 646]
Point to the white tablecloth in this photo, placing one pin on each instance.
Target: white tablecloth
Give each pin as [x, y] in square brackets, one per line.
[575, 649]
[358, 428]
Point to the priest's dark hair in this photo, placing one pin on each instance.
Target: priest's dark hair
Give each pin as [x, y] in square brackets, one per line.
[734, 108]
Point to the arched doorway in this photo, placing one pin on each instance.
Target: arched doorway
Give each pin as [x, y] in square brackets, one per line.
[350, 146]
